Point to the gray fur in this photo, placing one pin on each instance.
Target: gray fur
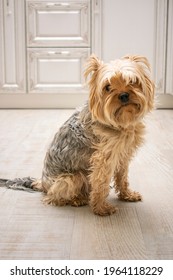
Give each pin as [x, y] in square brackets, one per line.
[71, 148]
[22, 184]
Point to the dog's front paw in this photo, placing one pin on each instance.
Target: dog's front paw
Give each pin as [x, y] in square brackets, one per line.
[104, 209]
[130, 196]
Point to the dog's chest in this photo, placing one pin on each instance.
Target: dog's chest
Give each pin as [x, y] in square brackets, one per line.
[122, 141]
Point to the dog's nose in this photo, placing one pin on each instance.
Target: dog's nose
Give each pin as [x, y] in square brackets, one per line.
[124, 97]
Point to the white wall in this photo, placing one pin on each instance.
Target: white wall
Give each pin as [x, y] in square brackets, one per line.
[128, 28]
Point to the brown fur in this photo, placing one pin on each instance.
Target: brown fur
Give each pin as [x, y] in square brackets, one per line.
[99, 141]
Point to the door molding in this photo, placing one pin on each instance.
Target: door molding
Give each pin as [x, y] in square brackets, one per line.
[169, 66]
[12, 47]
[160, 46]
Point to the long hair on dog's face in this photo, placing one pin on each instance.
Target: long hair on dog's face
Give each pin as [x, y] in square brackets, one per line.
[121, 92]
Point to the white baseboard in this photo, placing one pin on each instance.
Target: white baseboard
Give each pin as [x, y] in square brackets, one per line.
[164, 101]
[42, 101]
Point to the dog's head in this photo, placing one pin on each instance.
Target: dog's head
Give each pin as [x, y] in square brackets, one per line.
[121, 92]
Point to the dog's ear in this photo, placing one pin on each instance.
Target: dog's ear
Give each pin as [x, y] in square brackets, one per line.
[92, 65]
[141, 60]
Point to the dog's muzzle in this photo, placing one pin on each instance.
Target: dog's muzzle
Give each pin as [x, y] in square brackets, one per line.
[124, 97]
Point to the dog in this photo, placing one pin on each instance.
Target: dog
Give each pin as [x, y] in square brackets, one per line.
[97, 143]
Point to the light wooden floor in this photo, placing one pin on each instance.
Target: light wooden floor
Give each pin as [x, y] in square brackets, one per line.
[30, 230]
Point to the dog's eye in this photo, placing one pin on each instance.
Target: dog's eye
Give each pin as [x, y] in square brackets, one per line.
[108, 88]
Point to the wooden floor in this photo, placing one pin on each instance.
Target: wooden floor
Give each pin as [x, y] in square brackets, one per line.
[31, 230]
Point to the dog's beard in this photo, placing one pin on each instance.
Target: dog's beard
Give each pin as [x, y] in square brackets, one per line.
[118, 114]
[126, 114]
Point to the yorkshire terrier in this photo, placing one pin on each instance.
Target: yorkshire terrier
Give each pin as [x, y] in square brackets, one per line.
[96, 144]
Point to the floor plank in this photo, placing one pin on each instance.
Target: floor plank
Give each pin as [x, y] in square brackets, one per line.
[31, 230]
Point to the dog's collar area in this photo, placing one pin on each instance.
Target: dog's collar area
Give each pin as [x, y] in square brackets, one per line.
[111, 127]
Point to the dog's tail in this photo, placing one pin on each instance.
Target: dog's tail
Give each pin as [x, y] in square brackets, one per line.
[23, 184]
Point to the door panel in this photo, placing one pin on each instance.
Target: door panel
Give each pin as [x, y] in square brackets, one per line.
[54, 70]
[58, 24]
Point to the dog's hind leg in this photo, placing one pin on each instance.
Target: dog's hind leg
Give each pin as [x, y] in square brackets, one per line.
[72, 189]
